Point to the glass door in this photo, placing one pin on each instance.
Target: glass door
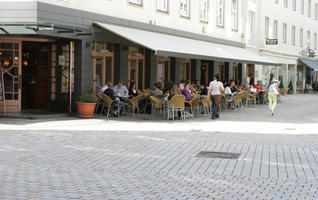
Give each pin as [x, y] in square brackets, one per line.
[185, 70]
[163, 69]
[136, 66]
[10, 63]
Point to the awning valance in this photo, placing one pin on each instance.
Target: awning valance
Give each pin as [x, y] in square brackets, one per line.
[310, 63]
[176, 46]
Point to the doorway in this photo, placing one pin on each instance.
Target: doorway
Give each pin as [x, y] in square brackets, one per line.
[35, 75]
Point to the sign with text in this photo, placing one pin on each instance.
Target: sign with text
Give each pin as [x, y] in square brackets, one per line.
[271, 41]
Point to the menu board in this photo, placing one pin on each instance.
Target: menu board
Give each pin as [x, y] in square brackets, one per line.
[1, 87]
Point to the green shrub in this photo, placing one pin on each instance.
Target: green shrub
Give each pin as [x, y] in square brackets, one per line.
[88, 98]
[290, 86]
[281, 85]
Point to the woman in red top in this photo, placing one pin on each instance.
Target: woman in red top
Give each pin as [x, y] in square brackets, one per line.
[258, 86]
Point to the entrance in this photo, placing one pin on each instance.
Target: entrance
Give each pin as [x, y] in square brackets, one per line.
[35, 75]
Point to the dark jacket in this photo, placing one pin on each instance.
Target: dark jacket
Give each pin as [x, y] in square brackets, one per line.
[110, 92]
[132, 93]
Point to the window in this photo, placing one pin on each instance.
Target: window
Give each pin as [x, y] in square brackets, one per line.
[316, 11]
[285, 3]
[315, 41]
[309, 8]
[276, 1]
[137, 2]
[294, 5]
[234, 14]
[266, 27]
[301, 37]
[308, 39]
[220, 13]
[185, 8]
[293, 37]
[302, 6]
[162, 5]
[284, 33]
[204, 10]
[252, 28]
[275, 29]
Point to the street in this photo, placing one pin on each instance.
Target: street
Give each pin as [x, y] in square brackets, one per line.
[141, 158]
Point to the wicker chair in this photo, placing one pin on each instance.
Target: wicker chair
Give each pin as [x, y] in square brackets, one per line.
[252, 98]
[134, 104]
[108, 103]
[177, 104]
[206, 106]
[156, 104]
[99, 102]
[285, 91]
[194, 104]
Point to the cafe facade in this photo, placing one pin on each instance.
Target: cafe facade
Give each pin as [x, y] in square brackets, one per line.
[50, 58]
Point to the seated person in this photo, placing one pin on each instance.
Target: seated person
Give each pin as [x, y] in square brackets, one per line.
[233, 86]
[258, 87]
[120, 90]
[103, 88]
[110, 92]
[132, 92]
[204, 90]
[185, 91]
[174, 91]
[156, 91]
[228, 91]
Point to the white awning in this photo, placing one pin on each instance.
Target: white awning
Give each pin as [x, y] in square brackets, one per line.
[175, 46]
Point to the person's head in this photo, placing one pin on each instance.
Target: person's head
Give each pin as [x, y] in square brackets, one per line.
[225, 83]
[258, 83]
[110, 84]
[120, 84]
[232, 83]
[216, 77]
[188, 86]
[174, 90]
[132, 85]
[181, 86]
[197, 82]
[271, 77]
[155, 86]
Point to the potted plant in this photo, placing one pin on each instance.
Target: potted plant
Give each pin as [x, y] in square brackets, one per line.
[86, 105]
[291, 87]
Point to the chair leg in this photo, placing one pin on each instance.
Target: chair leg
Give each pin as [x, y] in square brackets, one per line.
[108, 110]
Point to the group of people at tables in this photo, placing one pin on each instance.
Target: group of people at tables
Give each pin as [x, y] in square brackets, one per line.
[120, 94]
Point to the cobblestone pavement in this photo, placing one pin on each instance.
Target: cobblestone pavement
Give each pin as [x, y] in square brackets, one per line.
[71, 158]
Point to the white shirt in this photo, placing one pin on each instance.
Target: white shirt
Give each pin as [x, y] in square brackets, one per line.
[103, 89]
[227, 91]
[216, 87]
[273, 87]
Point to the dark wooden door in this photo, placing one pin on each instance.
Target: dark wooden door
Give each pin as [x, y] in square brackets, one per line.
[41, 77]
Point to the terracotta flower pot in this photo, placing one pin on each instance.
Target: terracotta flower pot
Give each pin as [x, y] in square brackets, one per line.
[85, 110]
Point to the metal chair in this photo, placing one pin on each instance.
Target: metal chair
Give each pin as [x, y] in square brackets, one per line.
[109, 103]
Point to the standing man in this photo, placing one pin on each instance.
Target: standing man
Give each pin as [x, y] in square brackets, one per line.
[215, 90]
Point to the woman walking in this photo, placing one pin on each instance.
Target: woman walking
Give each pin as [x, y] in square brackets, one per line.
[215, 91]
[272, 91]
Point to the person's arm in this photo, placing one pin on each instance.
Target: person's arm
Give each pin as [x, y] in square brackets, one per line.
[209, 92]
[278, 90]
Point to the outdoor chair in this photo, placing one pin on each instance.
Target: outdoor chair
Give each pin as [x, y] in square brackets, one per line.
[193, 105]
[205, 106]
[99, 102]
[139, 92]
[109, 104]
[156, 104]
[285, 91]
[252, 98]
[177, 104]
[133, 104]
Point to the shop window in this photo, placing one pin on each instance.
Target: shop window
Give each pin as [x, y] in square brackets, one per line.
[136, 66]
[162, 5]
[103, 64]
[220, 13]
[163, 69]
[185, 8]
[204, 10]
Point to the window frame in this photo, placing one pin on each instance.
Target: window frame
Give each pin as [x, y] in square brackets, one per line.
[315, 41]
[134, 2]
[189, 7]
[162, 9]
[309, 8]
[286, 3]
[293, 37]
[234, 15]
[294, 5]
[302, 7]
[301, 37]
[284, 33]
[308, 41]
[275, 29]
[220, 10]
[267, 27]
[202, 10]
[316, 11]
[252, 27]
